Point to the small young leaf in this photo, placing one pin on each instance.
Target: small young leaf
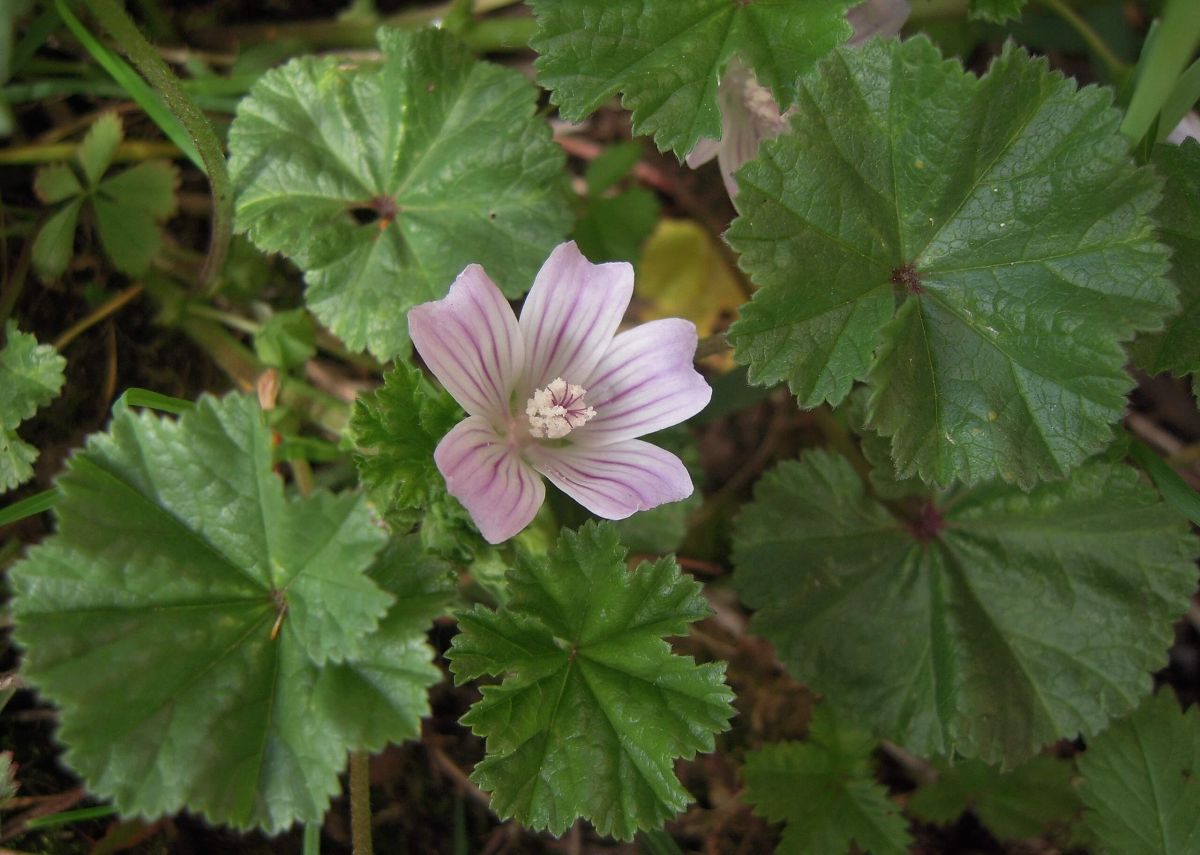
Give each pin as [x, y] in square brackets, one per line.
[95, 153]
[666, 57]
[1010, 620]
[1006, 215]
[287, 339]
[825, 790]
[1177, 347]
[31, 376]
[615, 227]
[56, 182]
[249, 639]
[594, 707]
[1141, 781]
[396, 429]
[383, 182]
[996, 11]
[613, 164]
[1013, 805]
[683, 275]
[54, 244]
[129, 207]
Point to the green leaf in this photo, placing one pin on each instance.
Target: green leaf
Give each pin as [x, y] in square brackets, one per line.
[253, 648]
[825, 790]
[95, 153]
[666, 57]
[1177, 347]
[439, 156]
[56, 182]
[1006, 216]
[1013, 805]
[55, 242]
[1010, 620]
[996, 11]
[594, 707]
[148, 188]
[614, 228]
[1141, 781]
[395, 431]
[129, 207]
[287, 339]
[31, 376]
[610, 166]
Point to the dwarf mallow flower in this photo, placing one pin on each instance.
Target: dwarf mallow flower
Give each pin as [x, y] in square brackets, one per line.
[558, 393]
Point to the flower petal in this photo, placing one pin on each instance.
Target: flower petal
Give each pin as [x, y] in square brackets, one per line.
[645, 382]
[702, 152]
[470, 340]
[615, 481]
[571, 314]
[500, 490]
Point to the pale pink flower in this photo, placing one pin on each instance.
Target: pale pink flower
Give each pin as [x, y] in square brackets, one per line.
[749, 112]
[558, 392]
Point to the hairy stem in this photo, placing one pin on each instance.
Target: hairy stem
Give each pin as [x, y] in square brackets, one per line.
[147, 60]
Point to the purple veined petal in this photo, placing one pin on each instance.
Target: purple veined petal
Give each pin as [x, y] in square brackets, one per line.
[877, 18]
[645, 382]
[500, 490]
[702, 152]
[471, 342]
[571, 314]
[615, 481]
[749, 115]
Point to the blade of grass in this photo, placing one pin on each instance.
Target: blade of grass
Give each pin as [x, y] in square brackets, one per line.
[35, 504]
[136, 397]
[134, 86]
[68, 816]
[1175, 491]
[1182, 99]
[1161, 65]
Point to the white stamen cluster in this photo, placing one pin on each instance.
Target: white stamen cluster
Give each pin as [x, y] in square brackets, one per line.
[761, 105]
[557, 410]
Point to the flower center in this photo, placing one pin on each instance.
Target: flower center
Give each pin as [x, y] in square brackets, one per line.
[557, 410]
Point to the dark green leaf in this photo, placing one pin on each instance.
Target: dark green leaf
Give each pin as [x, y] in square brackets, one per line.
[666, 57]
[614, 228]
[1141, 781]
[825, 790]
[1006, 216]
[612, 164]
[594, 707]
[383, 182]
[996, 11]
[1010, 620]
[55, 242]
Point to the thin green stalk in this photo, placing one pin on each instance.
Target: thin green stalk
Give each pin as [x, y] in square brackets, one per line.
[312, 839]
[1158, 71]
[35, 504]
[1116, 68]
[147, 60]
[103, 311]
[10, 290]
[360, 802]
[58, 152]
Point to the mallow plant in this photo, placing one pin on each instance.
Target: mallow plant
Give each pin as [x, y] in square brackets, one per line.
[957, 258]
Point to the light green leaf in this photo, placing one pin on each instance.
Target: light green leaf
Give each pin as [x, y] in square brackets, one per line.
[1141, 781]
[287, 339]
[1013, 805]
[395, 430]
[996, 11]
[594, 707]
[250, 642]
[56, 182]
[1010, 620]
[440, 158]
[666, 57]
[148, 188]
[95, 153]
[825, 790]
[1003, 212]
[129, 206]
[55, 243]
[1177, 347]
[31, 376]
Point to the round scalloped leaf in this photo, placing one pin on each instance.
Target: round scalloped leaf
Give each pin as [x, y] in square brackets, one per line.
[1006, 217]
[1010, 620]
[666, 57]
[31, 376]
[212, 644]
[594, 708]
[383, 182]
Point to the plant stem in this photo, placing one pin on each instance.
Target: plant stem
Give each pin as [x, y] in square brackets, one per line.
[1116, 68]
[156, 72]
[312, 839]
[57, 152]
[1175, 40]
[229, 319]
[103, 311]
[360, 802]
[15, 284]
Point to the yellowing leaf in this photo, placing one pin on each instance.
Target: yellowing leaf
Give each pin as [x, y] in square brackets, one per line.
[683, 275]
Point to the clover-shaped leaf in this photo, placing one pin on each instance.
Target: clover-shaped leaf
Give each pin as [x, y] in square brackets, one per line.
[594, 707]
[31, 376]
[1010, 620]
[666, 57]
[382, 182]
[825, 790]
[212, 643]
[1003, 214]
[128, 206]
